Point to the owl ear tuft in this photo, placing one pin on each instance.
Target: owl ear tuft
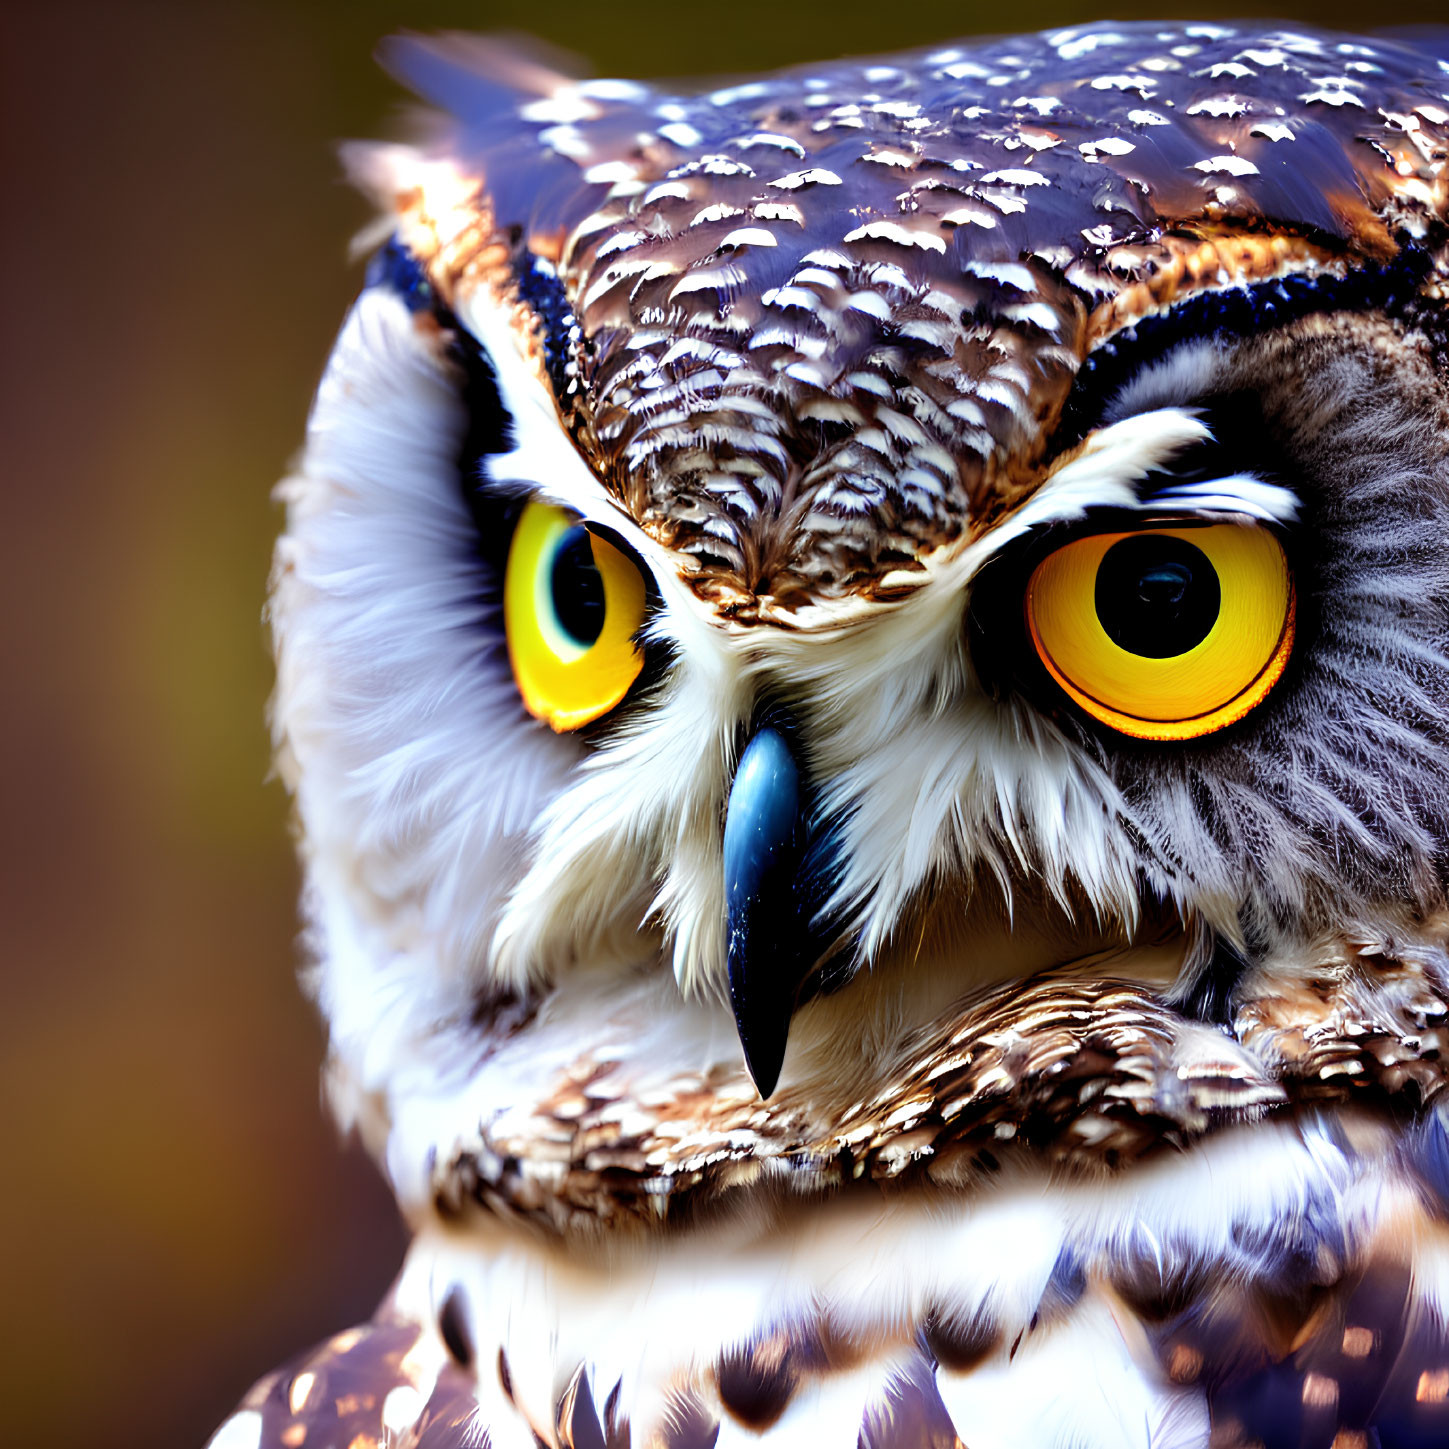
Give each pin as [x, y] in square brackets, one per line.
[521, 122]
[482, 80]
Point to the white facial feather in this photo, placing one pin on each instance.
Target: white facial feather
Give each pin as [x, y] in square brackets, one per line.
[456, 846]
[416, 773]
[895, 715]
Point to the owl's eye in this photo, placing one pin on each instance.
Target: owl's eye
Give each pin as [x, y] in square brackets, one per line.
[572, 604]
[1165, 633]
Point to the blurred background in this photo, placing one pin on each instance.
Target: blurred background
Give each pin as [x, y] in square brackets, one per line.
[176, 1216]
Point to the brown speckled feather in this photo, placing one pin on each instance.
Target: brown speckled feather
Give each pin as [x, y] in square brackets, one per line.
[1082, 1073]
[824, 323]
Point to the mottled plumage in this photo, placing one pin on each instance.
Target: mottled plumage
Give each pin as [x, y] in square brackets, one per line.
[847, 1033]
[822, 325]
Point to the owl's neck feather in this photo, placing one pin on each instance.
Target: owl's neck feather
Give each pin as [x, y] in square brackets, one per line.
[1041, 1280]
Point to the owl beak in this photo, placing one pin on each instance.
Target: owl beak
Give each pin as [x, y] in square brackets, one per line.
[772, 899]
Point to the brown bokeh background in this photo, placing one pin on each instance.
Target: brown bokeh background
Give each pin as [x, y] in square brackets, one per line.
[175, 1213]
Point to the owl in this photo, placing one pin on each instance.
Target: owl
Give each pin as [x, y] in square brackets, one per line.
[863, 661]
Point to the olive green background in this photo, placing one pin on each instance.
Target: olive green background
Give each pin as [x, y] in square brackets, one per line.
[175, 1213]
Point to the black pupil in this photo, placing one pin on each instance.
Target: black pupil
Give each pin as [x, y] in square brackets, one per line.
[577, 587]
[1157, 596]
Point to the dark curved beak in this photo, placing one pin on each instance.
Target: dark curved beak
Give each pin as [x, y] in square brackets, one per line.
[776, 878]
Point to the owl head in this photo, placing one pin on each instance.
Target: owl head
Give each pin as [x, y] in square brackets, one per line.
[843, 632]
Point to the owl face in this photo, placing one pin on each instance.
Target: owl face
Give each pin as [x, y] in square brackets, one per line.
[880, 617]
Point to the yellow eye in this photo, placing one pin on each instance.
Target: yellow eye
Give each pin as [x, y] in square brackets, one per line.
[1166, 633]
[572, 604]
